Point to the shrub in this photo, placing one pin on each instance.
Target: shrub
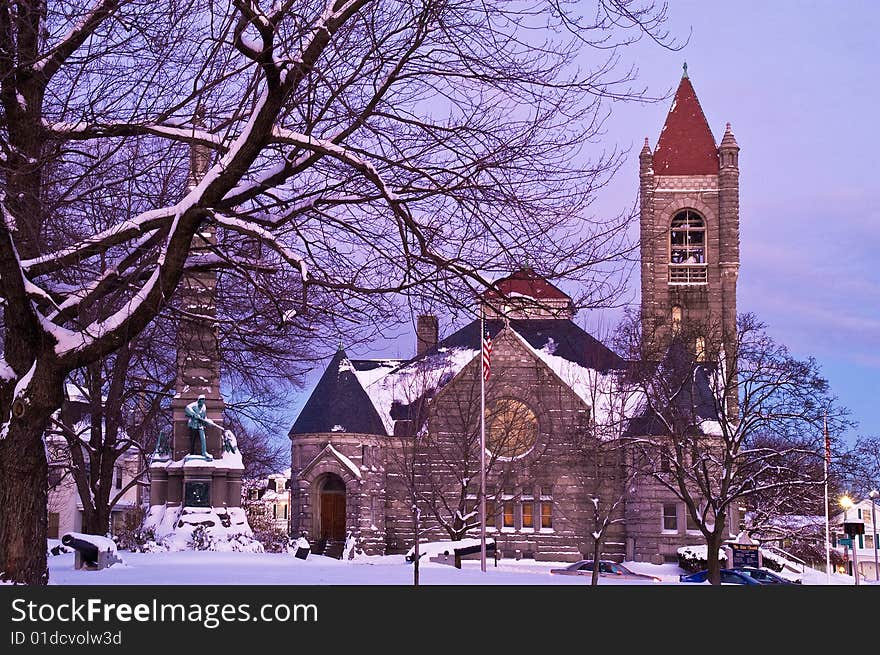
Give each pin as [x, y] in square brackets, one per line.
[130, 537]
[693, 558]
[201, 538]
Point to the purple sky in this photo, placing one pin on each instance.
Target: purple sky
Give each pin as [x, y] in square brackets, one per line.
[797, 80]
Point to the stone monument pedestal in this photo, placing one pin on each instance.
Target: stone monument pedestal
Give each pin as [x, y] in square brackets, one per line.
[189, 491]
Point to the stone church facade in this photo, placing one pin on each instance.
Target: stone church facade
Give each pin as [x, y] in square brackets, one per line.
[374, 434]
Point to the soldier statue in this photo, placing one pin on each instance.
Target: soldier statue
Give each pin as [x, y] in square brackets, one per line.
[198, 418]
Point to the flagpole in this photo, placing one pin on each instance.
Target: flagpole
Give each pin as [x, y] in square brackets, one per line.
[482, 441]
[827, 513]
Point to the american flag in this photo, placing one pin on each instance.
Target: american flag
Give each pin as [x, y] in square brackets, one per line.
[487, 356]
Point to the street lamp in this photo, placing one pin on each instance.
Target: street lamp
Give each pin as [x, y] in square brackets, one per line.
[845, 502]
[852, 529]
[873, 494]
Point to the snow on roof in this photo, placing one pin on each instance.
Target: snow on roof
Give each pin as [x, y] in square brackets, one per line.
[604, 393]
[346, 462]
[796, 521]
[280, 474]
[712, 428]
[418, 379]
[368, 371]
[76, 394]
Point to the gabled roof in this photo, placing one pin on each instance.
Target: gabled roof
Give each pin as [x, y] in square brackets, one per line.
[525, 282]
[368, 396]
[694, 401]
[686, 145]
[329, 452]
[563, 337]
[339, 402]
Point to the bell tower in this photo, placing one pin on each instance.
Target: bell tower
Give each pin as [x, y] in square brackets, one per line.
[689, 205]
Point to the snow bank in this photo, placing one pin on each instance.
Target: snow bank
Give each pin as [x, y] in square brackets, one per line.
[199, 528]
[700, 552]
[382, 368]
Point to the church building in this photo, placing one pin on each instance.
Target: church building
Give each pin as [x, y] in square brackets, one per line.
[380, 436]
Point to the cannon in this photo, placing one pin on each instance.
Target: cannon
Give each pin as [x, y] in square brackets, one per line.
[92, 552]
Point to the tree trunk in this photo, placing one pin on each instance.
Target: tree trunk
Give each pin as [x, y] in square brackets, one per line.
[98, 521]
[23, 499]
[416, 528]
[24, 479]
[713, 543]
[597, 557]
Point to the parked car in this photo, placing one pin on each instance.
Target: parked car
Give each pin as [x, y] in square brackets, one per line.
[728, 576]
[606, 569]
[763, 575]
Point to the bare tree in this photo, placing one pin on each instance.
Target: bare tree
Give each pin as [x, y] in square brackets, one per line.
[126, 412]
[438, 458]
[366, 147]
[604, 469]
[714, 459]
[260, 454]
[859, 469]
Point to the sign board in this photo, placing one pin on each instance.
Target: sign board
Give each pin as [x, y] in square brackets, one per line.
[846, 541]
[197, 494]
[745, 555]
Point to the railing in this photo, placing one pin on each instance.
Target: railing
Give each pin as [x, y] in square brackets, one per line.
[776, 550]
[687, 274]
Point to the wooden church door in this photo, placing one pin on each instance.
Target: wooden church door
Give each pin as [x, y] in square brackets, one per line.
[333, 510]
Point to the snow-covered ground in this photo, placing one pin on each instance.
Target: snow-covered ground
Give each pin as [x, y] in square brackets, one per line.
[207, 568]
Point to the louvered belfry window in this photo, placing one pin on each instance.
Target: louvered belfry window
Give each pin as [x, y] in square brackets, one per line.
[687, 248]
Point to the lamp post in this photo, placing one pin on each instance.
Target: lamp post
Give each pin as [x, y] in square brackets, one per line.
[873, 494]
[850, 531]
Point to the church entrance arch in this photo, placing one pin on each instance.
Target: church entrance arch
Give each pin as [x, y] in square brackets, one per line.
[331, 512]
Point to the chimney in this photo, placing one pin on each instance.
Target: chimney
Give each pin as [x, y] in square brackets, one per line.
[426, 333]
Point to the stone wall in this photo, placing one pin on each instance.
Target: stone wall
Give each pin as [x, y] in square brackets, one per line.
[364, 494]
[550, 471]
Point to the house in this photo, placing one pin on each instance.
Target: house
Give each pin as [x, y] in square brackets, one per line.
[64, 507]
[864, 546]
[385, 445]
[269, 498]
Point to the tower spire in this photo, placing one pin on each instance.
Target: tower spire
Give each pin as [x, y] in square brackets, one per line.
[686, 145]
[684, 74]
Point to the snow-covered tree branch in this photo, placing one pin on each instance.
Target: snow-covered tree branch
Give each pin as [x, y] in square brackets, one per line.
[373, 147]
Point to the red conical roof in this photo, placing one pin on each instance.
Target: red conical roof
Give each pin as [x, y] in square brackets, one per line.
[686, 145]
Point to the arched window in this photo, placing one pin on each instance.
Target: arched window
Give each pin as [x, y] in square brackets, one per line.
[676, 319]
[700, 348]
[687, 248]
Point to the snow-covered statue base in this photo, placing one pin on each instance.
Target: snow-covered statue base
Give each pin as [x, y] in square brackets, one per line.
[196, 503]
[200, 528]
